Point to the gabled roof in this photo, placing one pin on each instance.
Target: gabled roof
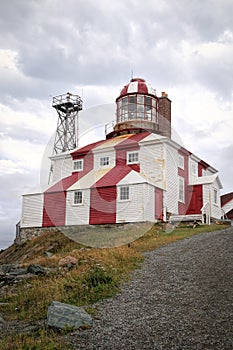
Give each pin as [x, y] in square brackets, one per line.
[225, 198]
[88, 180]
[115, 175]
[203, 180]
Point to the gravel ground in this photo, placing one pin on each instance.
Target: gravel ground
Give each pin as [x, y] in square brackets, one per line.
[181, 298]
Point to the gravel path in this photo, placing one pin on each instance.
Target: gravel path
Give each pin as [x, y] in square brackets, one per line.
[181, 298]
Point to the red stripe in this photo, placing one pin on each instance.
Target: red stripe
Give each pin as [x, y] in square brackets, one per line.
[103, 205]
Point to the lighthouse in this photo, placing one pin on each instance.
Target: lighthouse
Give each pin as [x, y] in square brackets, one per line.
[138, 108]
[137, 174]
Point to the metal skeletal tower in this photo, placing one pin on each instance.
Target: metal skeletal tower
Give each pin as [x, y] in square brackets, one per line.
[67, 107]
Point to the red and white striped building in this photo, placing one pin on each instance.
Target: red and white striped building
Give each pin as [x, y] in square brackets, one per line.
[138, 173]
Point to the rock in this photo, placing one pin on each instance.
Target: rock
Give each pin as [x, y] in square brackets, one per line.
[5, 268]
[15, 271]
[68, 261]
[36, 270]
[64, 316]
[48, 254]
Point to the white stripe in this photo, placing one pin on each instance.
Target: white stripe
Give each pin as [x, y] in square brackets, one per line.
[133, 87]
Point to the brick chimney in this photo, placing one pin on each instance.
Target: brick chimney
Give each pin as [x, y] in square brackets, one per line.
[165, 115]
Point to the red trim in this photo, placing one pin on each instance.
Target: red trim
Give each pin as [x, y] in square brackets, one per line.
[182, 207]
[202, 166]
[158, 204]
[225, 198]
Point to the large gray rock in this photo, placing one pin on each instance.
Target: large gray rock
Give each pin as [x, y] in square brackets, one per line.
[64, 316]
[36, 269]
[5, 268]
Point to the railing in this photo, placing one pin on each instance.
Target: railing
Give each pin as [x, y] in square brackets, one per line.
[109, 127]
[67, 98]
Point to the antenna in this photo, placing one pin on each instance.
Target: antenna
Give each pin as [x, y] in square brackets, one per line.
[131, 74]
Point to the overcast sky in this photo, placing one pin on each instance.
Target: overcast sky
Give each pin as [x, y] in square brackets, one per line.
[90, 48]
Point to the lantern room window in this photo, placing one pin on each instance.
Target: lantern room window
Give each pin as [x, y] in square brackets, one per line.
[137, 107]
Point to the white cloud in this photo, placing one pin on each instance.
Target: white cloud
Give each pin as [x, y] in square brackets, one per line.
[90, 48]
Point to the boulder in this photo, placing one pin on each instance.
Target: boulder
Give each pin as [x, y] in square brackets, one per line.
[5, 268]
[36, 270]
[68, 261]
[65, 316]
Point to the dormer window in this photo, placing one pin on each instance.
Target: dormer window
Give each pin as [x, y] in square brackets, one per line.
[132, 157]
[104, 161]
[194, 169]
[78, 165]
[181, 162]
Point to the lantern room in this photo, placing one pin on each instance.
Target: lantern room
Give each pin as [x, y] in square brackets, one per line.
[138, 109]
[137, 101]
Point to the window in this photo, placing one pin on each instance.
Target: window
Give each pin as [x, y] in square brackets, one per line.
[124, 193]
[132, 157]
[78, 197]
[204, 172]
[194, 169]
[104, 161]
[181, 189]
[78, 165]
[137, 106]
[181, 161]
[215, 196]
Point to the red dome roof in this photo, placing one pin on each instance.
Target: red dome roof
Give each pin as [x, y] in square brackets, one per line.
[137, 85]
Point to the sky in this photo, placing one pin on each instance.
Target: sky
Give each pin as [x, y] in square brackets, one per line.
[93, 48]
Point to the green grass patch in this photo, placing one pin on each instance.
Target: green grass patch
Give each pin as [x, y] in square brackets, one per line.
[99, 274]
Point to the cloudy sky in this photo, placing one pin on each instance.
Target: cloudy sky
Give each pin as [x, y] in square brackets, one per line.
[91, 48]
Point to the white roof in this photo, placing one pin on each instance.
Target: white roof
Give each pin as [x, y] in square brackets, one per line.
[203, 180]
[89, 180]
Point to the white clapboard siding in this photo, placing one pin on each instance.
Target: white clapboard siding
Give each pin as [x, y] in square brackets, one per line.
[152, 163]
[32, 210]
[77, 214]
[104, 153]
[62, 167]
[132, 210]
[208, 197]
[171, 194]
[216, 207]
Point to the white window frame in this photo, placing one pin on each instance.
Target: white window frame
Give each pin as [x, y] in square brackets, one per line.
[180, 161]
[131, 156]
[124, 193]
[77, 196]
[215, 195]
[181, 193]
[80, 167]
[104, 161]
[204, 172]
[194, 168]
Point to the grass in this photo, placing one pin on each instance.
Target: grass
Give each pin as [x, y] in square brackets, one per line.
[99, 274]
